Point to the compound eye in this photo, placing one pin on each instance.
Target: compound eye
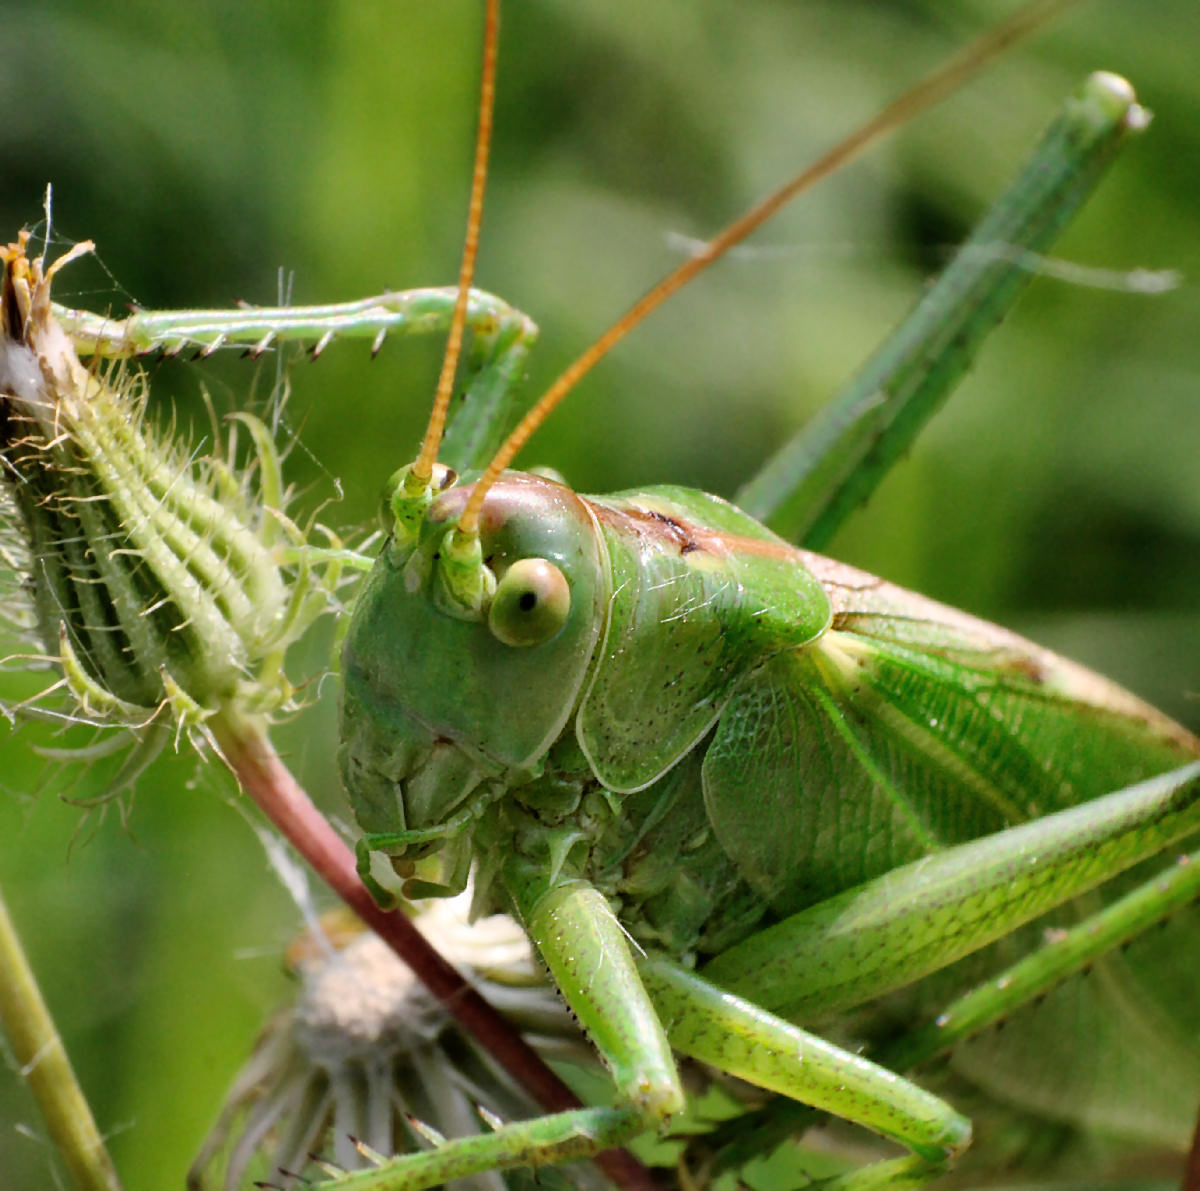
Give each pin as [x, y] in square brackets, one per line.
[531, 603]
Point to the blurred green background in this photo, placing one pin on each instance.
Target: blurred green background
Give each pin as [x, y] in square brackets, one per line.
[205, 147]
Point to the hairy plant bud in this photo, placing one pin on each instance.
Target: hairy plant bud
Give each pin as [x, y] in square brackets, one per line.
[153, 575]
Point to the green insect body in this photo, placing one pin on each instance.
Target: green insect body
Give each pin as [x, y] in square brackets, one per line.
[735, 790]
[722, 734]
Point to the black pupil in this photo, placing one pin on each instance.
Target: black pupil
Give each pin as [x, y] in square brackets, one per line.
[528, 601]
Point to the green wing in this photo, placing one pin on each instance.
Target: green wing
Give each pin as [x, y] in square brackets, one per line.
[906, 727]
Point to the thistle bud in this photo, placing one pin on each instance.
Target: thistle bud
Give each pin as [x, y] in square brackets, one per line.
[152, 575]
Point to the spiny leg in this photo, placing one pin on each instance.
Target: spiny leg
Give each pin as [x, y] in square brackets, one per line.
[923, 916]
[991, 1002]
[589, 956]
[1067, 953]
[1070, 852]
[258, 328]
[737, 1036]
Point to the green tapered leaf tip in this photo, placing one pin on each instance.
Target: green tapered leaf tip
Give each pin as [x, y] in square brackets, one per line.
[1110, 99]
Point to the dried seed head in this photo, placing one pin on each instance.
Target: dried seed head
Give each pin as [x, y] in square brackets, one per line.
[152, 575]
[366, 1061]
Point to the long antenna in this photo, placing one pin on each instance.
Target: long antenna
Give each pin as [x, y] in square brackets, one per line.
[928, 91]
[422, 470]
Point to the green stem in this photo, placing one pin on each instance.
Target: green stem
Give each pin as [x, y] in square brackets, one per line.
[43, 1061]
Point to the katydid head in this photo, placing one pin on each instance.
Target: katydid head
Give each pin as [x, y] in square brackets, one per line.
[444, 707]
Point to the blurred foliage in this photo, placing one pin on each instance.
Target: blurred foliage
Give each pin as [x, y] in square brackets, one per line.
[205, 147]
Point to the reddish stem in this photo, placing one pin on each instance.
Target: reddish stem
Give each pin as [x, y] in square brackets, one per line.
[1191, 1174]
[257, 767]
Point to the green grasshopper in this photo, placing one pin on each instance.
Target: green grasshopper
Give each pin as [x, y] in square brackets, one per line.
[656, 732]
[763, 885]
